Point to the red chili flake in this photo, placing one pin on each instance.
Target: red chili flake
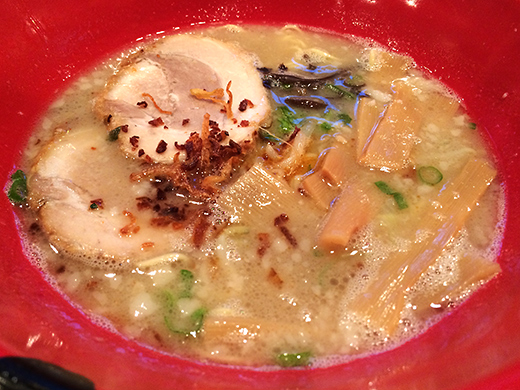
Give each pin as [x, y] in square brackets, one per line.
[280, 222]
[161, 148]
[142, 104]
[265, 244]
[274, 278]
[288, 236]
[185, 121]
[281, 219]
[124, 128]
[134, 141]
[93, 148]
[245, 104]
[140, 153]
[244, 123]
[91, 285]
[156, 122]
[148, 159]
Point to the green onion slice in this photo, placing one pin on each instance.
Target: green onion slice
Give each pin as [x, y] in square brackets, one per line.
[187, 280]
[174, 320]
[398, 197]
[293, 359]
[429, 175]
[192, 324]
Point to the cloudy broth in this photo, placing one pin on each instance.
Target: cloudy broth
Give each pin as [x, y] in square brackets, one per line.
[253, 271]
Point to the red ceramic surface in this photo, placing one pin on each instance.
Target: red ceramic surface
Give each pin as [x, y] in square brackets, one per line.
[472, 45]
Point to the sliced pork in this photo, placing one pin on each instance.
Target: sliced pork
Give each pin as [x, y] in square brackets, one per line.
[159, 96]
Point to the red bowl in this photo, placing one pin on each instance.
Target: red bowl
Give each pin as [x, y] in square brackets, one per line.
[471, 45]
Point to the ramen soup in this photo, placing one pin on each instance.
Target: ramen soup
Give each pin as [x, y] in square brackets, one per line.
[260, 196]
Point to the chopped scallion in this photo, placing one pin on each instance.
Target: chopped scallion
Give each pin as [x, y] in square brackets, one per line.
[174, 320]
[186, 327]
[385, 188]
[187, 280]
[429, 175]
[472, 125]
[293, 359]
[398, 197]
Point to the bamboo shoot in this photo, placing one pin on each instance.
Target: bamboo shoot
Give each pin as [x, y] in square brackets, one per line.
[389, 145]
[384, 299]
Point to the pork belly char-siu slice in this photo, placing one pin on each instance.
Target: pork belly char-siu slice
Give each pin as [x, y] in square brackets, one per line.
[87, 207]
[151, 95]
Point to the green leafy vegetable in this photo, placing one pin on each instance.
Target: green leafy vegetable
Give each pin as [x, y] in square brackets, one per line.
[293, 359]
[113, 134]
[398, 197]
[472, 125]
[18, 191]
[429, 175]
[286, 119]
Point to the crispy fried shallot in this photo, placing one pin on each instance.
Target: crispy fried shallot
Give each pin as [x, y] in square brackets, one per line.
[216, 96]
[132, 227]
[144, 94]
